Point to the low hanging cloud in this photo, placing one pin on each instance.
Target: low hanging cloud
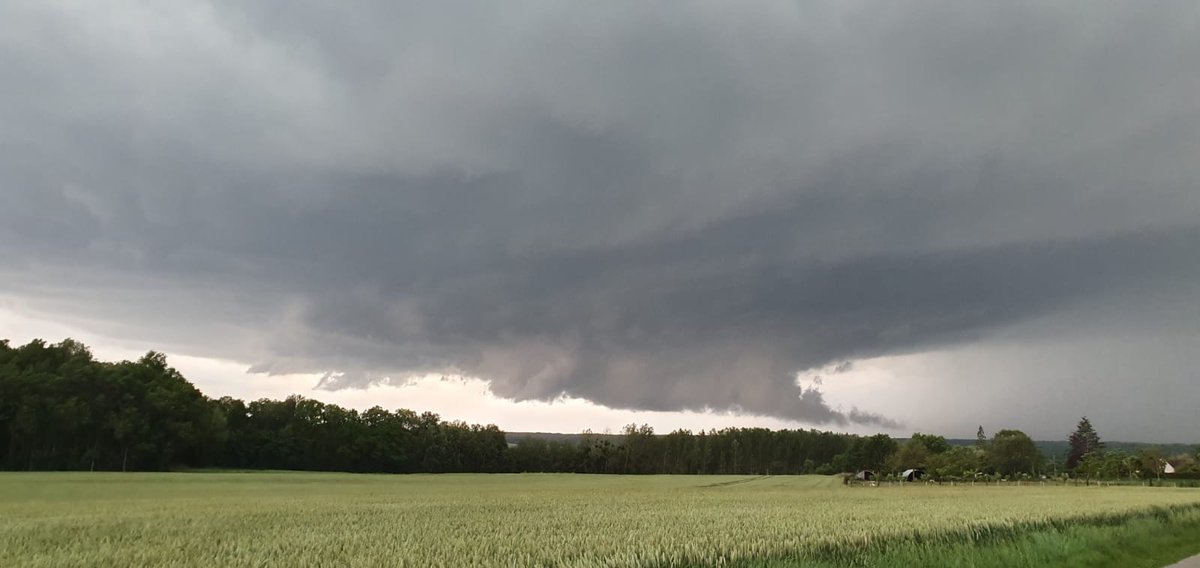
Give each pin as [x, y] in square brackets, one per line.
[647, 206]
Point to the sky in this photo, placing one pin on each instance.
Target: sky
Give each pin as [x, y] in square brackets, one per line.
[858, 216]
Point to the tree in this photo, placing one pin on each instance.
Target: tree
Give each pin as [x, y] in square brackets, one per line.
[934, 443]
[871, 452]
[912, 454]
[1013, 451]
[640, 450]
[1108, 465]
[981, 440]
[1083, 442]
[1151, 462]
[960, 461]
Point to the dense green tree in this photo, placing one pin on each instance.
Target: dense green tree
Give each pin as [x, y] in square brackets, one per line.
[912, 454]
[1103, 464]
[1012, 452]
[61, 409]
[961, 462]
[872, 452]
[933, 443]
[639, 449]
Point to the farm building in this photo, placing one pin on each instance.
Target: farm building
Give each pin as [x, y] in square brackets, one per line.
[915, 474]
[865, 475]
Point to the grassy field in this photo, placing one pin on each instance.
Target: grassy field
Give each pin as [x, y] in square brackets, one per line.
[309, 519]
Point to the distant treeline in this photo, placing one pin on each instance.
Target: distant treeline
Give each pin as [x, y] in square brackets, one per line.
[60, 409]
[1054, 451]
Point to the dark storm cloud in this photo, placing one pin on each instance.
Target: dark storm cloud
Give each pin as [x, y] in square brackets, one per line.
[649, 207]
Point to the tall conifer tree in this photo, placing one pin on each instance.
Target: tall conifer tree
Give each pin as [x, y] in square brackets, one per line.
[1083, 442]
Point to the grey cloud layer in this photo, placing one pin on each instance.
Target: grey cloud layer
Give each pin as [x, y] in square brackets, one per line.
[647, 206]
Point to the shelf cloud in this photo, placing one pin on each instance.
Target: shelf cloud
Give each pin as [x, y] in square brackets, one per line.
[649, 206]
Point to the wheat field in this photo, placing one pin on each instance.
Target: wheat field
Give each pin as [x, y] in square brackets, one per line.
[315, 519]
